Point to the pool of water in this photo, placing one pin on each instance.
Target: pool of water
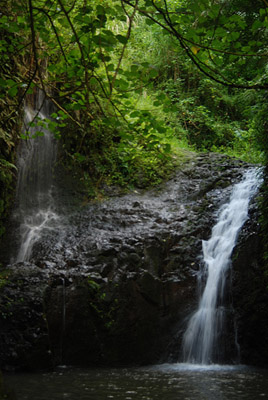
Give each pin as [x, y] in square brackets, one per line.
[163, 382]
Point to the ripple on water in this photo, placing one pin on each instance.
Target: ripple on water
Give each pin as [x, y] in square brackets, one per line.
[161, 382]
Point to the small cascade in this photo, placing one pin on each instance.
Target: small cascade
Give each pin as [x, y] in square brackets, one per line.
[35, 205]
[200, 340]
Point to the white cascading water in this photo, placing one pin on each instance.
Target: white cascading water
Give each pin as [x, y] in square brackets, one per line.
[37, 155]
[204, 327]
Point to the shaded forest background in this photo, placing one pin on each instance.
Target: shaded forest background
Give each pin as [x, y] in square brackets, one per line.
[136, 86]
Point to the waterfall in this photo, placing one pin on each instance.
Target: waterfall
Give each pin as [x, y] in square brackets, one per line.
[35, 205]
[206, 324]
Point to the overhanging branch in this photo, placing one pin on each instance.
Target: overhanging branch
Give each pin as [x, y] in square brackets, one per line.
[169, 27]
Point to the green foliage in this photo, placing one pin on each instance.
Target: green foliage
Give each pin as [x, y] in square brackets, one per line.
[118, 156]
[104, 307]
[210, 116]
[9, 118]
[4, 276]
[226, 41]
[123, 88]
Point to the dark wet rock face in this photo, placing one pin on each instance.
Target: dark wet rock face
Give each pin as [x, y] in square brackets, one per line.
[114, 281]
[250, 294]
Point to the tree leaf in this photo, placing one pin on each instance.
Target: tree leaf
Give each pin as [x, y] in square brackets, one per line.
[122, 39]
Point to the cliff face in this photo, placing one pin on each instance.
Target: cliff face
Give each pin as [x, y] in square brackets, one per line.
[115, 282]
[250, 292]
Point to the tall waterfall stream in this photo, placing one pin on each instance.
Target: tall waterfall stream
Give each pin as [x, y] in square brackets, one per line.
[36, 208]
[201, 337]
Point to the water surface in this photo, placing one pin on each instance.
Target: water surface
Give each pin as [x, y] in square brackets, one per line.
[163, 382]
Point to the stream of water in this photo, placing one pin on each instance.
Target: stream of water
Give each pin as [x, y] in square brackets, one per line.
[36, 209]
[200, 342]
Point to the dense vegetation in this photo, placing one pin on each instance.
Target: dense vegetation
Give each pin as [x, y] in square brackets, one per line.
[135, 84]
